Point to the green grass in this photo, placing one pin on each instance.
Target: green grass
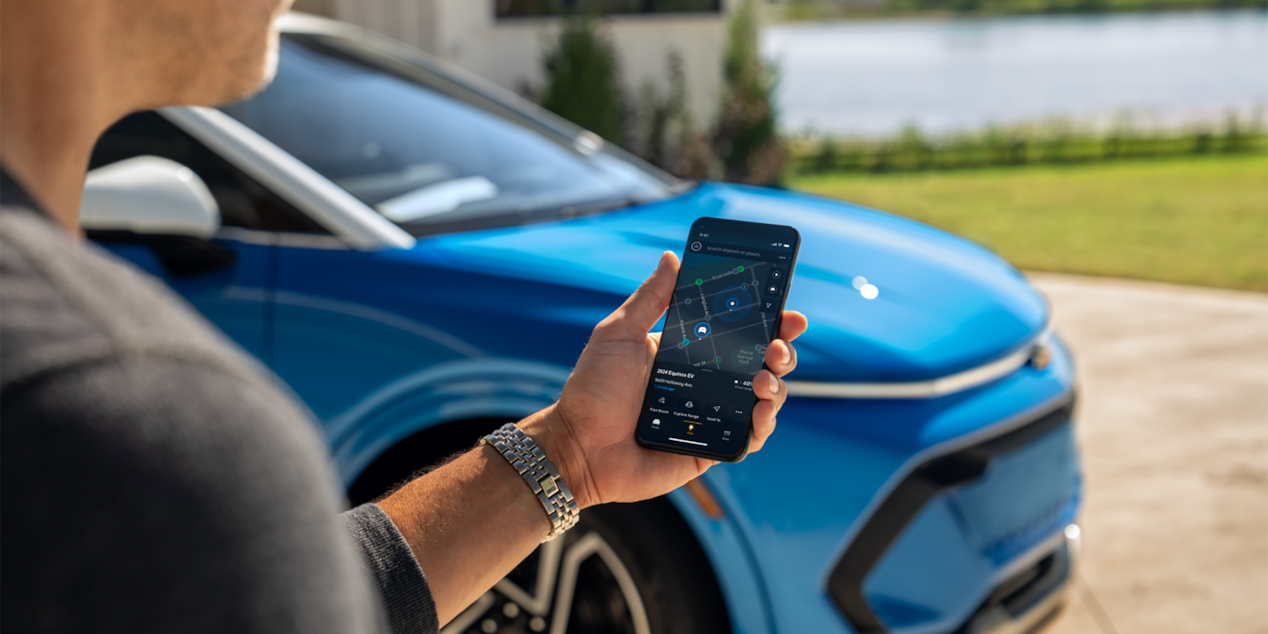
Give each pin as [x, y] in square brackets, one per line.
[1201, 220]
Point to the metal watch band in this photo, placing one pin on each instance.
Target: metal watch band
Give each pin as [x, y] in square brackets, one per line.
[540, 474]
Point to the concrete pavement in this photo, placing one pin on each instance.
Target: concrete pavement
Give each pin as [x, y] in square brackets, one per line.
[1173, 423]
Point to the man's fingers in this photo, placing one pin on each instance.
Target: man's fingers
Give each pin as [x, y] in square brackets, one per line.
[781, 357]
[763, 424]
[643, 309]
[772, 391]
[769, 387]
[791, 325]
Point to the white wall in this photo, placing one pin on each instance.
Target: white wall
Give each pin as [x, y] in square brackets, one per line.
[509, 52]
[414, 22]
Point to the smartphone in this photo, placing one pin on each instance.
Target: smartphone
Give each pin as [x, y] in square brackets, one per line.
[725, 310]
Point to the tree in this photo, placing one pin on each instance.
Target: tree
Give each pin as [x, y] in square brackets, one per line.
[670, 139]
[583, 80]
[747, 137]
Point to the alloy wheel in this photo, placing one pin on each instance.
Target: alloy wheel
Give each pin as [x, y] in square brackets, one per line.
[576, 584]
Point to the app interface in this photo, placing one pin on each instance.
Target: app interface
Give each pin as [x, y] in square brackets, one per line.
[721, 318]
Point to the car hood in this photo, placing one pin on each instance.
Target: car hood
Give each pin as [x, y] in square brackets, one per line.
[944, 304]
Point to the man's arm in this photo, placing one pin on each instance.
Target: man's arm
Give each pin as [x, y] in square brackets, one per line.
[471, 521]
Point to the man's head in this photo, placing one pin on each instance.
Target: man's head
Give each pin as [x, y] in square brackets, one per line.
[192, 52]
[70, 68]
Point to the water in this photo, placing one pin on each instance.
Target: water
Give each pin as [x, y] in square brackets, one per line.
[871, 78]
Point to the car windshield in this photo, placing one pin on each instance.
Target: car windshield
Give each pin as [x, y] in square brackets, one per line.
[431, 151]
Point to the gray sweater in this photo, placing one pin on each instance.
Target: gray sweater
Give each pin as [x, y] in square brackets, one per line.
[157, 479]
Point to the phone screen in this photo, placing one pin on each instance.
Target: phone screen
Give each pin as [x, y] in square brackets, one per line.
[725, 310]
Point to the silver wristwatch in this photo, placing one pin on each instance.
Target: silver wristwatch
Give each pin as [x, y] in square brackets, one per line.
[540, 474]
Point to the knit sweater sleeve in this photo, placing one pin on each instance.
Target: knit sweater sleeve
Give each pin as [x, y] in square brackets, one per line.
[392, 566]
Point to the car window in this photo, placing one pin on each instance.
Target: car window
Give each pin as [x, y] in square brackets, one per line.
[432, 159]
[243, 202]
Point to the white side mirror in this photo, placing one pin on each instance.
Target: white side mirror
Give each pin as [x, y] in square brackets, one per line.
[149, 195]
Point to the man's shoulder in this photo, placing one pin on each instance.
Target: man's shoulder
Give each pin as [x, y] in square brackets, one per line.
[96, 353]
[156, 468]
[66, 304]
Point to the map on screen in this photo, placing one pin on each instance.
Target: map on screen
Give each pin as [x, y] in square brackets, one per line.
[722, 315]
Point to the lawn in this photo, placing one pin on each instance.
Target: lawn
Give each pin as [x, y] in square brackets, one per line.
[1201, 220]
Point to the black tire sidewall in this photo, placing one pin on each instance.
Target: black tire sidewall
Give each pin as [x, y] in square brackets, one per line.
[674, 577]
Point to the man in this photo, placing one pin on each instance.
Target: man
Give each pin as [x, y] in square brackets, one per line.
[155, 478]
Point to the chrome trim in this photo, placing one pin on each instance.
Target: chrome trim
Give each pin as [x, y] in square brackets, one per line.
[932, 388]
[330, 205]
[1032, 556]
[1026, 623]
[309, 241]
[1074, 539]
[282, 239]
[300, 22]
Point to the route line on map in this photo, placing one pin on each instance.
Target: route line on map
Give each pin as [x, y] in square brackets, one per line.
[708, 316]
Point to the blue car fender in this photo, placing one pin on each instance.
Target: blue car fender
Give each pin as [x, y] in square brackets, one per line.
[730, 554]
[453, 391]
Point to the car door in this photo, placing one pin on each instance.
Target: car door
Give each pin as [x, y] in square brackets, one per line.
[230, 278]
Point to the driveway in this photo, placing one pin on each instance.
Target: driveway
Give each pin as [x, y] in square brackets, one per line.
[1174, 428]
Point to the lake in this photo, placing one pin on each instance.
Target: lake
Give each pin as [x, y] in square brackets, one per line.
[869, 78]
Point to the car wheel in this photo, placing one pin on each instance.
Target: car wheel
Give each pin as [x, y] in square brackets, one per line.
[624, 569]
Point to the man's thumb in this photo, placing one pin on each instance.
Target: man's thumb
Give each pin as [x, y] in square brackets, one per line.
[643, 309]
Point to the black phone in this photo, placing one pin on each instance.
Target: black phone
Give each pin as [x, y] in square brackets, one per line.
[726, 309]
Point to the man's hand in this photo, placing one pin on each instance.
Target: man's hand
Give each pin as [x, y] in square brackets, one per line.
[589, 433]
[472, 520]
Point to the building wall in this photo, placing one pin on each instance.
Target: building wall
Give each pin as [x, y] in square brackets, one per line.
[509, 52]
[319, 7]
[415, 22]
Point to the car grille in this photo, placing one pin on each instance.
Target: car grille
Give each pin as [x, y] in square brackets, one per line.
[1028, 489]
[1022, 593]
[1002, 516]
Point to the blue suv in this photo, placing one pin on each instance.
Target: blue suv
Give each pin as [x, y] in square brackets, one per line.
[421, 257]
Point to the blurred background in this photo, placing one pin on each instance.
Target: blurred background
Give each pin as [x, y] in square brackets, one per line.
[1114, 150]
[1102, 137]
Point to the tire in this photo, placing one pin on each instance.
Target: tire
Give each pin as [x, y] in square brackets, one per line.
[624, 569]
[647, 545]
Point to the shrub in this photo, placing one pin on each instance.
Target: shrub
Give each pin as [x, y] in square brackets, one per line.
[669, 137]
[583, 80]
[747, 140]
[583, 86]
[1057, 141]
